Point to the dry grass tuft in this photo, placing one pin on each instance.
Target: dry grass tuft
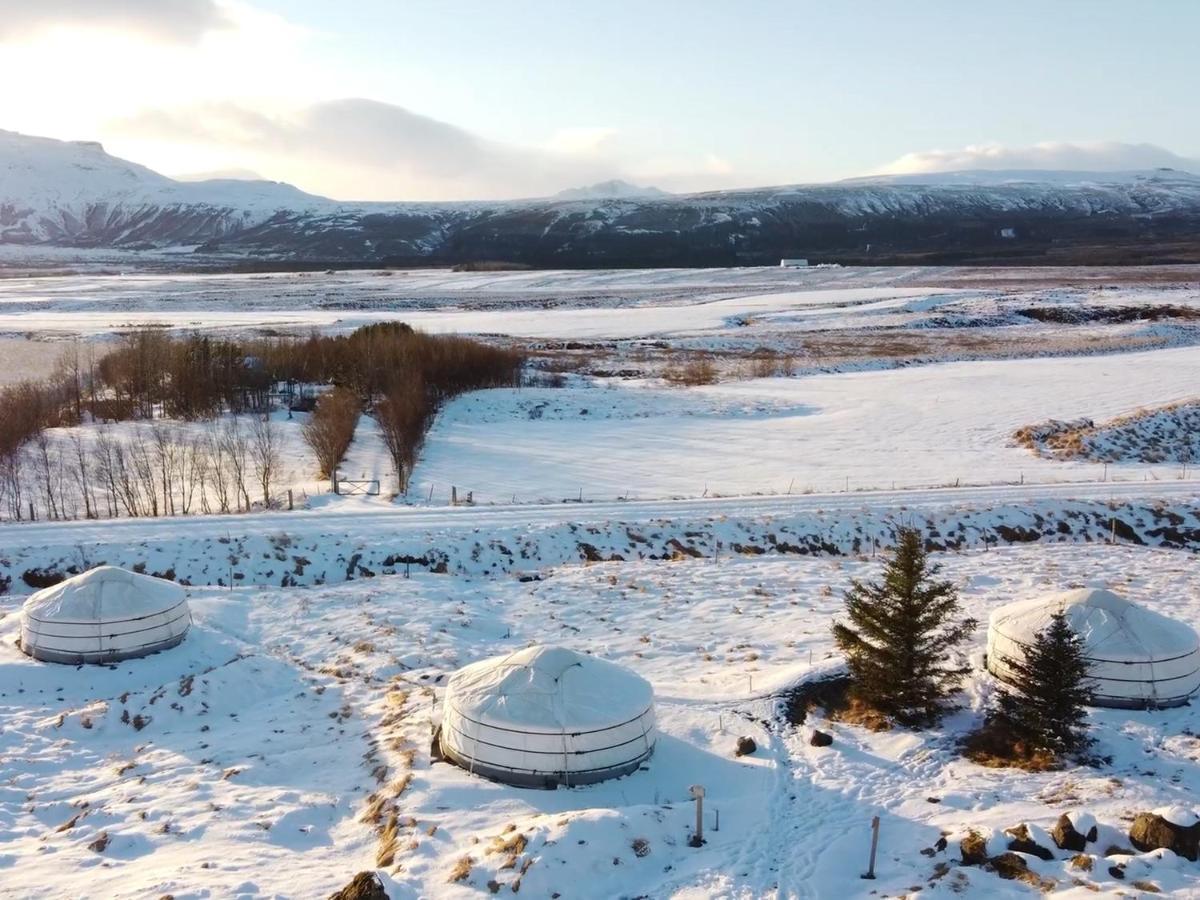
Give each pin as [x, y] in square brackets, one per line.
[385, 854]
[461, 870]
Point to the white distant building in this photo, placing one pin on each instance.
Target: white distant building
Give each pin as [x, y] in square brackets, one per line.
[793, 263]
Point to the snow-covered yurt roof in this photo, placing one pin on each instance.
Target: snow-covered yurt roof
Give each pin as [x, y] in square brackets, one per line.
[1137, 657]
[545, 716]
[103, 615]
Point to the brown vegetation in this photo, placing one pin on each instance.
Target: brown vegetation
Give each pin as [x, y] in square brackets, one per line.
[996, 747]
[695, 371]
[330, 430]
[839, 702]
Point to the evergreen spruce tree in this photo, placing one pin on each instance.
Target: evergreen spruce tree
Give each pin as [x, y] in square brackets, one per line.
[901, 636]
[1044, 703]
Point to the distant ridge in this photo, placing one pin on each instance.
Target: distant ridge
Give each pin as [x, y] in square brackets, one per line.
[75, 195]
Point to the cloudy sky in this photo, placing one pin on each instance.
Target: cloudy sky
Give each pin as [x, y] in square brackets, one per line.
[408, 99]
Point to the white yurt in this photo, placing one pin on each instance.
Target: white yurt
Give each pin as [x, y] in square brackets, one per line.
[104, 615]
[546, 716]
[1137, 658]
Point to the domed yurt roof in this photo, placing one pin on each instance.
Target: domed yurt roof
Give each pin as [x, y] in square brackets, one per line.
[545, 716]
[104, 615]
[1137, 657]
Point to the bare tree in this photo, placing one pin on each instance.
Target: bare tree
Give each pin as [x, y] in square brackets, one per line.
[330, 429]
[403, 415]
[81, 473]
[236, 450]
[265, 447]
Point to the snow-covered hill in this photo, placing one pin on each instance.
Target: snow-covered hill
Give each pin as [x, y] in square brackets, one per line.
[74, 194]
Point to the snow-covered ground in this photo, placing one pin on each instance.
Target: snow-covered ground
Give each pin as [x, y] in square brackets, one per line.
[244, 762]
[921, 426]
[264, 734]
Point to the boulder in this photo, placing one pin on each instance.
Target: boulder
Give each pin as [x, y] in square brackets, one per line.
[820, 739]
[363, 886]
[1117, 872]
[745, 746]
[1022, 841]
[1151, 831]
[1066, 837]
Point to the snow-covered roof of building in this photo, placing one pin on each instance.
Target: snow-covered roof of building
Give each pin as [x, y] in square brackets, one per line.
[546, 688]
[1111, 627]
[104, 594]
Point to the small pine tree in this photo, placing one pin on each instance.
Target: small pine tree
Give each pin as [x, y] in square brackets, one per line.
[1044, 702]
[901, 635]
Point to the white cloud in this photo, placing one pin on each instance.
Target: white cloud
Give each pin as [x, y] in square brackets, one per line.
[355, 148]
[173, 20]
[582, 140]
[1101, 156]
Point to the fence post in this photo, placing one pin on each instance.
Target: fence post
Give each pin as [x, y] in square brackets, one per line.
[870, 873]
[453, 496]
[289, 499]
[697, 791]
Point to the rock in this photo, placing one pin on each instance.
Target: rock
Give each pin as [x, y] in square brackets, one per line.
[1117, 872]
[973, 849]
[363, 886]
[1022, 842]
[745, 746]
[820, 739]
[1151, 831]
[1066, 837]
[1083, 862]
[100, 844]
[941, 844]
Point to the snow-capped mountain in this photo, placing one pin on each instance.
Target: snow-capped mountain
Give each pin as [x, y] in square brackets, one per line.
[615, 189]
[73, 194]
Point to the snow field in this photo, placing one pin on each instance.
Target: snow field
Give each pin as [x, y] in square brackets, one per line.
[262, 736]
[913, 427]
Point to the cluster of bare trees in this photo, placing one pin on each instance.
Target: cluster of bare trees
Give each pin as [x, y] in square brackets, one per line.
[156, 469]
[404, 414]
[152, 375]
[405, 376]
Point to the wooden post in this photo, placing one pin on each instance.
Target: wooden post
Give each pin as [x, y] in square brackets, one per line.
[870, 873]
[290, 507]
[697, 791]
[453, 496]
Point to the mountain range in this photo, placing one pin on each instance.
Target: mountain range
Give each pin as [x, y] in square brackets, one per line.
[75, 195]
